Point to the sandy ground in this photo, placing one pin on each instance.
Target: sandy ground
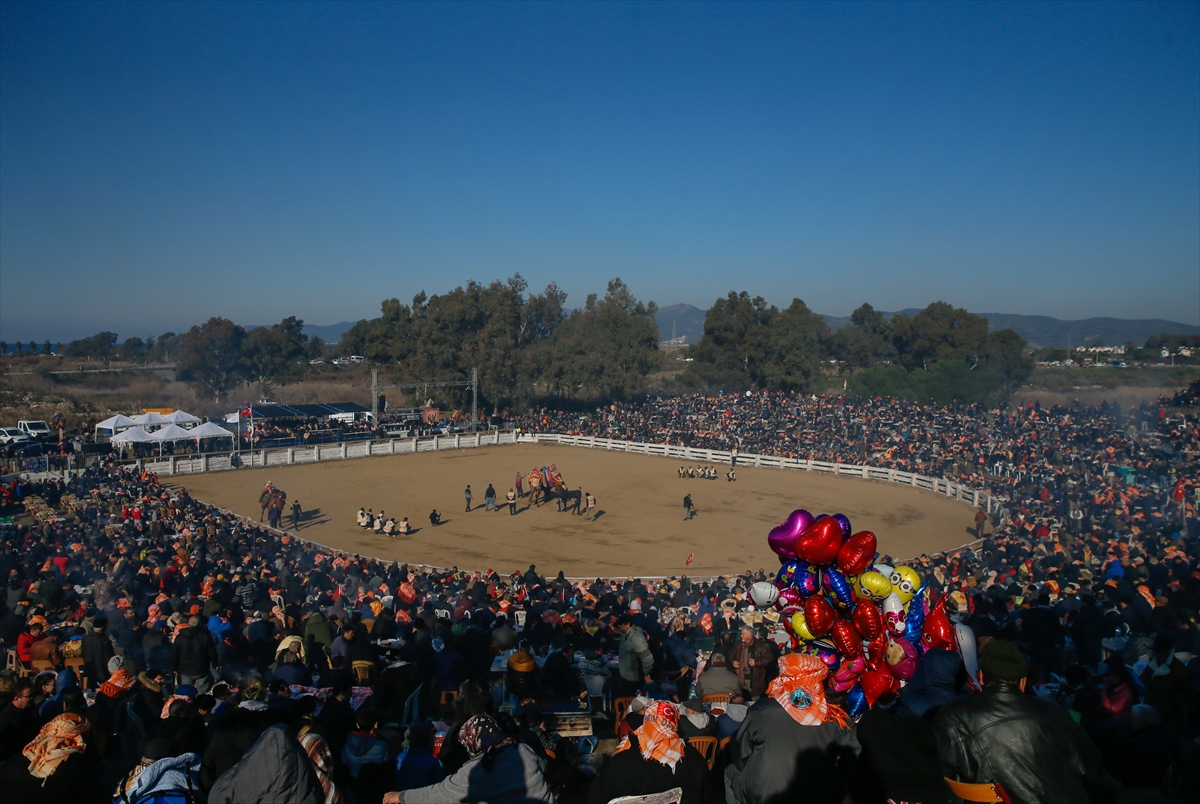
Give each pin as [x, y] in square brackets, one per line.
[640, 530]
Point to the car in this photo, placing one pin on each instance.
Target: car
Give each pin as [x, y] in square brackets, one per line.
[36, 429]
[29, 449]
[317, 362]
[341, 361]
[357, 359]
[11, 435]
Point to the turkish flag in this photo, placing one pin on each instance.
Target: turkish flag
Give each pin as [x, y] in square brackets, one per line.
[1178, 493]
[690, 558]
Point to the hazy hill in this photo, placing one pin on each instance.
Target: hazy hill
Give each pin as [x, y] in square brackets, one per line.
[1038, 330]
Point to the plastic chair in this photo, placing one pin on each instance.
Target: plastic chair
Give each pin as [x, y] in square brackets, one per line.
[596, 689]
[11, 662]
[412, 708]
[620, 707]
[672, 796]
[519, 617]
[707, 746]
[76, 664]
[714, 698]
[985, 792]
[448, 696]
[41, 666]
[362, 669]
[369, 625]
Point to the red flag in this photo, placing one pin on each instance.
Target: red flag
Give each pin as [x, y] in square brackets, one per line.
[691, 557]
[1178, 493]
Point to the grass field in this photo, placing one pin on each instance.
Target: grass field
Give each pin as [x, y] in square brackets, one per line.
[641, 530]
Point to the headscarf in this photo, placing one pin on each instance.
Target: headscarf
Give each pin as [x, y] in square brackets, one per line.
[658, 736]
[799, 691]
[482, 734]
[58, 739]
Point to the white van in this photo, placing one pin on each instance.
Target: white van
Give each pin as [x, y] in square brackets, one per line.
[357, 359]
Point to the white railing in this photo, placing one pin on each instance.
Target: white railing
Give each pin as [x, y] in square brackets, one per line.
[955, 491]
[285, 456]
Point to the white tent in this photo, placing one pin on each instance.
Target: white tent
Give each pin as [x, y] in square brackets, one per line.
[151, 418]
[132, 435]
[172, 432]
[114, 423]
[182, 417]
[209, 430]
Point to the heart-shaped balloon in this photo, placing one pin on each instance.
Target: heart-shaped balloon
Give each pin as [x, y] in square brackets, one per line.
[856, 555]
[819, 615]
[856, 702]
[866, 619]
[763, 594]
[846, 639]
[877, 651]
[820, 542]
[878, 682]
[938, 632]
[782, 538]
[845, 523]
[839, 588]
[848, 674]
[788, 598]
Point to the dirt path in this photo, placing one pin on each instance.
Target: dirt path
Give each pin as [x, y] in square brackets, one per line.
[641, 530]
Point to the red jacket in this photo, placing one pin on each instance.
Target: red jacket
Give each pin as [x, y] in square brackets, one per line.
[24, 643]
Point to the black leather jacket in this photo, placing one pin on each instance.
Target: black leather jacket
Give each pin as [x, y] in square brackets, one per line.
[1029, 744]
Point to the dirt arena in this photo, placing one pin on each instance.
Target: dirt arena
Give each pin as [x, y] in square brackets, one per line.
[640, 530]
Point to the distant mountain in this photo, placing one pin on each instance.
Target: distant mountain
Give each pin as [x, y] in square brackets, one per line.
[1039, 331]
[331, 333]
[680, 319]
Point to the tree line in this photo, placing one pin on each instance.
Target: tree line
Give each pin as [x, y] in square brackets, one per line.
[530, 346]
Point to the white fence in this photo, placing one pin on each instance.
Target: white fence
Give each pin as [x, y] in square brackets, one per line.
[363, 449]
[952, 490]
[287, 456]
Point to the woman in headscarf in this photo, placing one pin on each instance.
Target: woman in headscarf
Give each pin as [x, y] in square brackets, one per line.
[501, 771]
[789, 745]
[654, 758]
[56, 765]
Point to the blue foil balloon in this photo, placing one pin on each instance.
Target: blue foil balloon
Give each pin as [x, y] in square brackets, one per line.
[806, 579]
[844, 521]
[839, 588]
[787, 573]
[826, 653]
[914, 620]
[856, 701]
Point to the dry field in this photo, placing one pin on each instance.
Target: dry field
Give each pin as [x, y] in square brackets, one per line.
[641, 530]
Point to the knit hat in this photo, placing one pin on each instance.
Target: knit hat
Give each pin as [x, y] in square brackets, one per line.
[116, 663]
[1002, 661]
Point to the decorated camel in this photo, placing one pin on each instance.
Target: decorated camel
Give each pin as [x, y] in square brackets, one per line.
[544, 484]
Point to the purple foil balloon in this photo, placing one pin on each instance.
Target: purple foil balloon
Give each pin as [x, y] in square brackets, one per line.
[782, 538]
[844, 521]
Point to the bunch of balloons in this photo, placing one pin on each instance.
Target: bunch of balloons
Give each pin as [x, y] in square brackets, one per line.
[869, 622]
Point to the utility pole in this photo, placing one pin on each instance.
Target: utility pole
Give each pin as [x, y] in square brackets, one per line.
[475, 399]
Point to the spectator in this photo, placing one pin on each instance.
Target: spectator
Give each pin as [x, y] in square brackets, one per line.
[416, 766]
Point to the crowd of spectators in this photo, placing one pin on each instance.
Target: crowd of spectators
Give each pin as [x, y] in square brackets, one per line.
[160, 643]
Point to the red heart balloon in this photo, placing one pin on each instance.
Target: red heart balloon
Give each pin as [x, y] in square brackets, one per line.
[846, 639]
[856, 555]
[876, 683]
[820, 543]
[867, 619]
[877, 652]
[819, 615]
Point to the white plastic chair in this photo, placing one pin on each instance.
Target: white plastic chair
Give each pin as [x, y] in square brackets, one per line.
[672, 796]
[596, 689]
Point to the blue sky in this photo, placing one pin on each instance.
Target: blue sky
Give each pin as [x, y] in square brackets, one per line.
[163, 163]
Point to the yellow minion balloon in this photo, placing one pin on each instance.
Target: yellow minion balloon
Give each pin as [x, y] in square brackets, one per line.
[905, 583]
[874, 586]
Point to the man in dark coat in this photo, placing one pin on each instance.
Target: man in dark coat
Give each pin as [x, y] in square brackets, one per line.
[96, 650]
[195, 654]
[1029, 744]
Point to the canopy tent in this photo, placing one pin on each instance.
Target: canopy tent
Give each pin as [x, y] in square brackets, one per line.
[172, 432]
[114, 423]
[151, 418]
[182, 417]
[133, 435]
[209, 430]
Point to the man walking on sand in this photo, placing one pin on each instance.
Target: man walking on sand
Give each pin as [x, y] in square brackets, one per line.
[591, 506]
[512, 502]
[688, 508]
[467, 494]
[520, 490]
[489, 499]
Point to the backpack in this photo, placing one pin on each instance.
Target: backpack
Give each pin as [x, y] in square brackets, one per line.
[191, 795]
